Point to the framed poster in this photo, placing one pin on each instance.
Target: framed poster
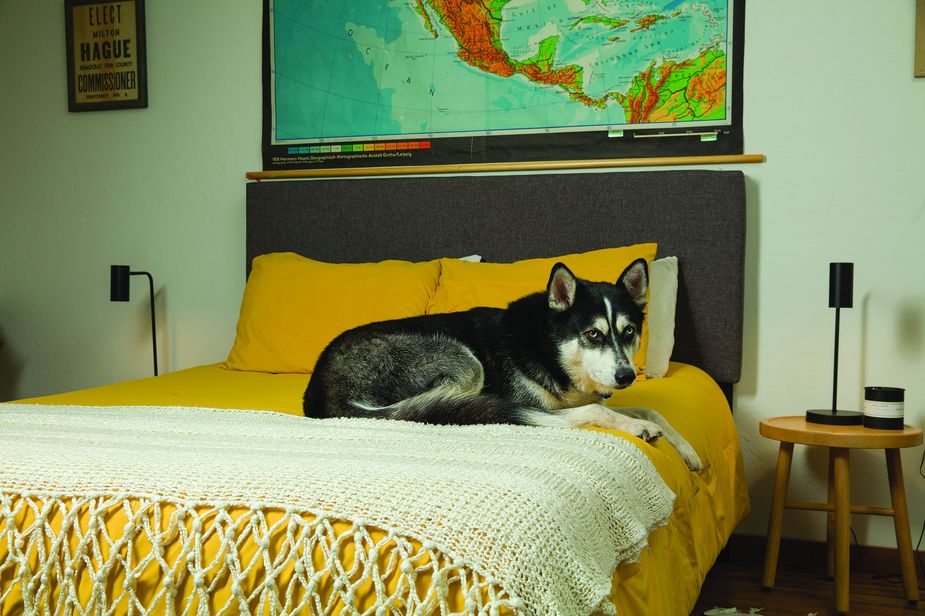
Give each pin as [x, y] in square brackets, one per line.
[106, 56]
[431, 82]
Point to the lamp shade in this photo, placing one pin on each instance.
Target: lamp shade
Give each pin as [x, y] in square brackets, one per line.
[118, 283]
[841, 285]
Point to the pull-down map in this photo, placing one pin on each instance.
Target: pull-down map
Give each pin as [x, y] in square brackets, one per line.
[353, 70]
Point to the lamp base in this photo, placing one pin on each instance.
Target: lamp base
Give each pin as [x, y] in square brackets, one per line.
[834, 418]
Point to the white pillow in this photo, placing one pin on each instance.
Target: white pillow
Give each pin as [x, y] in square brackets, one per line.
[663, 297]
[472, 258]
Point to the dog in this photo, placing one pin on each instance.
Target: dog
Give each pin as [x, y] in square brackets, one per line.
[548, 359]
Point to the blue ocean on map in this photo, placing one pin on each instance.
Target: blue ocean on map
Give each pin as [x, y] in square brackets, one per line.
[363, 69]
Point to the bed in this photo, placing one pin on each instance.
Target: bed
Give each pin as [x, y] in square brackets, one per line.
[182, 557]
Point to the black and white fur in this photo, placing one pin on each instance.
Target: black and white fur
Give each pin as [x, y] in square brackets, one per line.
[545, 360]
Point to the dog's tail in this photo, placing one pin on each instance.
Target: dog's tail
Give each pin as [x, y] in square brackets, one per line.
[440, 407]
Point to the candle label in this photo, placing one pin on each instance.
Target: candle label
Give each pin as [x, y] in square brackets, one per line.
[887, 410]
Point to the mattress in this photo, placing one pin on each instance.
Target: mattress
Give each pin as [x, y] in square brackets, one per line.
[665, 580]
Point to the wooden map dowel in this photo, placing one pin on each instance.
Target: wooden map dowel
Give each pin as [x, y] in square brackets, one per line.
[554, 165]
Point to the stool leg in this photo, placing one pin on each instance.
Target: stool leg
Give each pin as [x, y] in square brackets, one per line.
[776, 521]
[894, 468]
[830, 520]
[842, 528]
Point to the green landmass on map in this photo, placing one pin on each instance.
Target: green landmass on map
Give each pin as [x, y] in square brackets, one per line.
[476, 28]
[546, 56]
[610, 22]
[644, 23]
[669, 92]
[690, 90]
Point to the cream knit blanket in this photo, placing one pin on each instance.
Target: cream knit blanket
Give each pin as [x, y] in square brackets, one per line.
[543, 514]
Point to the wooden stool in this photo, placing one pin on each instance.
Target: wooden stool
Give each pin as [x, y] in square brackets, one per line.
[840, 440]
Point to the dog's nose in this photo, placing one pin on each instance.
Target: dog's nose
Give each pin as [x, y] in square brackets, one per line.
[625, 378]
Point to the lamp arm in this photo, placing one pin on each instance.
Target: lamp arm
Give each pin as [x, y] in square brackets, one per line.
[835, 371]
[153, 328]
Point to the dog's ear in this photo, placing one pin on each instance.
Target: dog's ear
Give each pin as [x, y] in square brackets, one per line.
[635, 278]
[561, 288]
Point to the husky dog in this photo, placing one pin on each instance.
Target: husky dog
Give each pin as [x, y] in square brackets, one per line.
[546, 360]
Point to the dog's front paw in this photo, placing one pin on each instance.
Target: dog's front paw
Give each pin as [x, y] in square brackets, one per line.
[610, 419]
[646, 430]
[690, 457]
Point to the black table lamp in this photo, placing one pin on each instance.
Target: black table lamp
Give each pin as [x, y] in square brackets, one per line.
[119, 292]
[841, 292]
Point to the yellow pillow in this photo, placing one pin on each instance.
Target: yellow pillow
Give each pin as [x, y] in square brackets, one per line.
[294, 306]
[466, 285]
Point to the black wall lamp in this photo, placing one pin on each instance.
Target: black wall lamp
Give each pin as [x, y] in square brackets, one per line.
[119, 276]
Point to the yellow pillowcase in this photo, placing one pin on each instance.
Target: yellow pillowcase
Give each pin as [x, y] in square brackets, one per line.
[466, 285]
[294, 306]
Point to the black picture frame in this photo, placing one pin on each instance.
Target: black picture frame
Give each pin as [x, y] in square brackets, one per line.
[106, 54]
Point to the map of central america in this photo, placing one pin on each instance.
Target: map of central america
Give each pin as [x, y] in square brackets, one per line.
[362, 69]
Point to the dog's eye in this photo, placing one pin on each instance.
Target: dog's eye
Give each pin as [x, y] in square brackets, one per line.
[628, 332]
[593, 335]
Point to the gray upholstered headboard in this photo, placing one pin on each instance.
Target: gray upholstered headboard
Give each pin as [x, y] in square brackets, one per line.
[698, 216]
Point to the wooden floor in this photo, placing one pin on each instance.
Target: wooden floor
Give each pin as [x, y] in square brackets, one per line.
[799, 591]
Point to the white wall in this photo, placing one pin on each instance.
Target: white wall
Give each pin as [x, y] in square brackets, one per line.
[830, 99]
[160, 189]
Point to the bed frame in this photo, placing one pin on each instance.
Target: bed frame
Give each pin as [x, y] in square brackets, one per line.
[697, 216]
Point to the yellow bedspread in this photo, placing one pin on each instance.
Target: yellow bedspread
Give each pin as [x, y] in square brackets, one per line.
[666, 579]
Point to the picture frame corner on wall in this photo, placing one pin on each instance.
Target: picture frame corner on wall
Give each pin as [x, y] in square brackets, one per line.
[106, 51]
[919, 69]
